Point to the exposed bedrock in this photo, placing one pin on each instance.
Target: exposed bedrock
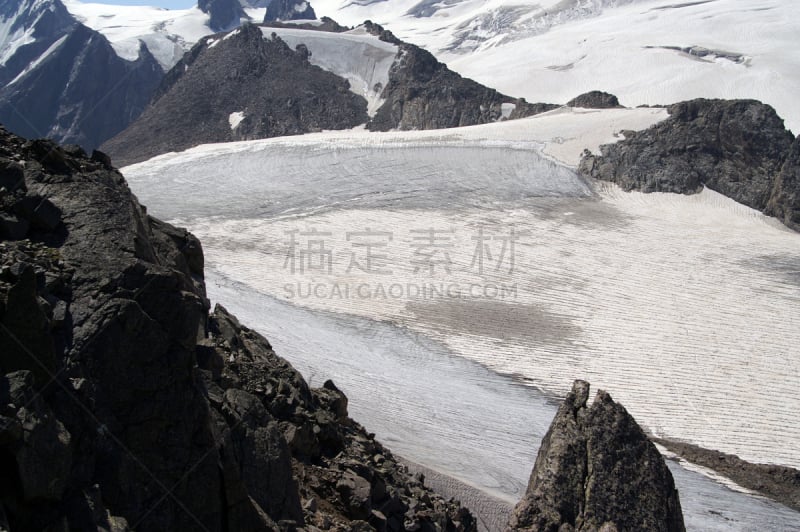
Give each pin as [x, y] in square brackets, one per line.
[597, 470]
[125, 406]
[739, 148]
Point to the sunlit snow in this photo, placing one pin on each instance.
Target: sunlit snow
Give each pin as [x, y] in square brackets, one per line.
[235, 119]
[360, 58]
[683, 307]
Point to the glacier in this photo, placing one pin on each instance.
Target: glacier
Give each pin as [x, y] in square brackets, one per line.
[683, 307]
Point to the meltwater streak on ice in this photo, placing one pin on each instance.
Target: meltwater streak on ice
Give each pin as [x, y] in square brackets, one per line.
[441, 411]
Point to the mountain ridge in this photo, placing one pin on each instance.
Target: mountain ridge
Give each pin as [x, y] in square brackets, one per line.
[418, 92]
[74, 87]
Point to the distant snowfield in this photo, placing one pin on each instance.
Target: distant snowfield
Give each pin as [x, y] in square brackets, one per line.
[621, 52]
[553, 51]
[167, 33]
[546, 51]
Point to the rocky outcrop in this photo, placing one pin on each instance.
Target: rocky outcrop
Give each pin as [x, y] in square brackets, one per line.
[289, 10]
[241, 87]
[779, 483]
[423, 93]
[595, 100]
[69, 84]
[597, 470]
[738, 148]
[784, 202]
[323, 24]
[125, 406]
[224, 14]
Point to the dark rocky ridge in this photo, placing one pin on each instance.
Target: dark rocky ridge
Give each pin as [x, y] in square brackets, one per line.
[46, 22]
[277, 89]
[124, 405]
[738, 148]
[289, 10]
[224, 14]
[423, 93]
[779, 483]
[281, 93]
[595, 100]
[325, 24]
[82, 92]
[597, 470]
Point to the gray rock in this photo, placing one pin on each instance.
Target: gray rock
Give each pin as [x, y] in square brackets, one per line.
[43, 456]
[596, 470]
[289, 10]
[82, 92]
[225, 14]
[12, 175]
[156, 416]
[784, 203]
[262, 456]
[279, 92]
[423, 93]
[595, 100]
[735, 147]
[12, 227]
[24, 338]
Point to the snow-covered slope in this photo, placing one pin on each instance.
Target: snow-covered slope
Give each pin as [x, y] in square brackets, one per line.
[360, 58]
[644, 51]
[29, 32]
[554, 50]
[167, 33]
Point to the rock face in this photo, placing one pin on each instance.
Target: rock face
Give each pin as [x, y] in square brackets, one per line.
[242, 87]
[738, 148]
[784, 203]
[225, 14]
[124, 405]
[423, 93]
[289, 10]
[596, 470]
[779, 483]
[595, 100]
[68, 83]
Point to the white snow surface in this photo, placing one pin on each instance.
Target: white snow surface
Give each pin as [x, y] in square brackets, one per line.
[555, 50]
[235, 119]
[550, 50]
[167, 33]
[682, 307]
[360, 58]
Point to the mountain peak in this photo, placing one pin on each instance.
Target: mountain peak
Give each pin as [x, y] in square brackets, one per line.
[289, 10]
[225, 14]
